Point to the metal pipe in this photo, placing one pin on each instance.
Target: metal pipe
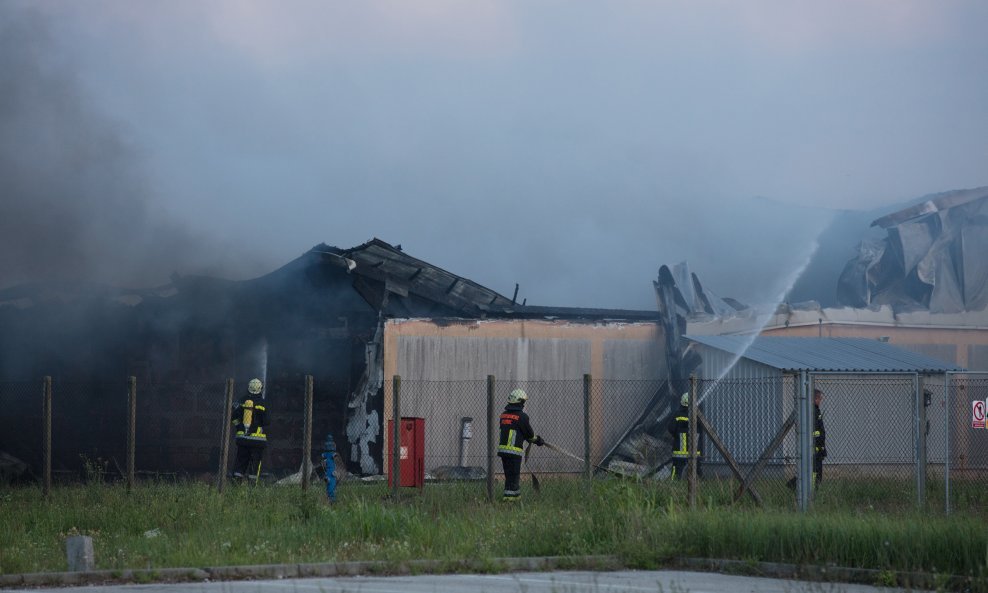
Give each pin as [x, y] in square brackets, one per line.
[466, 433]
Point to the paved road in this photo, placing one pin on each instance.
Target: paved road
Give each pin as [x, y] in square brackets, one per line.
[660, 581]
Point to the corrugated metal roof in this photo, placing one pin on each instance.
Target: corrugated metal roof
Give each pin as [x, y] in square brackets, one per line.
[851, 355]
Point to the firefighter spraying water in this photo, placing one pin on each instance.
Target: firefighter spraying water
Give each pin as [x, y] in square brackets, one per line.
[515, 428]
[250, 420]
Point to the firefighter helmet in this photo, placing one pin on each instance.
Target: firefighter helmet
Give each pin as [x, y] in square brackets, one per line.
[254, 386]
[684, 400]
[518, 396]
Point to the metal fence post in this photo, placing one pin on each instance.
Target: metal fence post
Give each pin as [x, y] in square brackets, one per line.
[490, 438]
[920, 444]
[307, 435]
[131, 429]
[805, 437]
[587, 384]
[948, 412]
[225, 442]
[395, 434]
[691, 466]
[46, 434]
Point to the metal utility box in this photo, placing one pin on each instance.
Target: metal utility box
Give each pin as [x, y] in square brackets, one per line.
[411, 463]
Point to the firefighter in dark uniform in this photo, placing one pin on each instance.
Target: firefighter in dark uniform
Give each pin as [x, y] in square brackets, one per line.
[680, 431]
[819, 438]
[250, 418]
[515, 430]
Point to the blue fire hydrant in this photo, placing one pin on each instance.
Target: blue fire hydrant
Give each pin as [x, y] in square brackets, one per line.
[329, 464]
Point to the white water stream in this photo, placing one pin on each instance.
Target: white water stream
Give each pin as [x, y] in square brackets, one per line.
[761, 320]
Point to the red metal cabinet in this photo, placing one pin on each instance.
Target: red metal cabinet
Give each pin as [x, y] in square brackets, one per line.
[411, 464]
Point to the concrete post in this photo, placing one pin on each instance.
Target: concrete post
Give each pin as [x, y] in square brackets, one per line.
[79, 553]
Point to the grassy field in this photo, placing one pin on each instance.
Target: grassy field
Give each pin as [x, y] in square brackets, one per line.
[161, 525]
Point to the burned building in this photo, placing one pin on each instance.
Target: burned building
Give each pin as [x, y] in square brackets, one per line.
[923, 287]
[331, 313]
[932, 258]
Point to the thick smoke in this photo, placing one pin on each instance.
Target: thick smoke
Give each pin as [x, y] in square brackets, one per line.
[76, 205]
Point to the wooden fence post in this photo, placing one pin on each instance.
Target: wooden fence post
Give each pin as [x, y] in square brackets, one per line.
[395, 435]
[46, 434]
[225, 442]
[307, 435]
[131, 430]
[587, 384]
[490, 438]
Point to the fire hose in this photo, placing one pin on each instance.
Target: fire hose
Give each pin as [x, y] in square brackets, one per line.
[535, 481]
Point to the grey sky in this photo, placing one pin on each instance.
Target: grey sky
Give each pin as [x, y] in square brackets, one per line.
[573, 147]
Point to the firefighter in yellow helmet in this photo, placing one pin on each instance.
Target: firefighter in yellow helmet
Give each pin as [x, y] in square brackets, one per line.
[680, 431]
[515, 430]
[250, 420]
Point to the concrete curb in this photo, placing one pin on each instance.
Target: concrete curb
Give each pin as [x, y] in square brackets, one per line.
[837, 574]
[321, 569]
[603, 562]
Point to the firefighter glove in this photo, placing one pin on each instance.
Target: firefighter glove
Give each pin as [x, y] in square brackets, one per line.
[538, 441]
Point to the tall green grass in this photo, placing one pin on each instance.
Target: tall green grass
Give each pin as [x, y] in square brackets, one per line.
[646, 525]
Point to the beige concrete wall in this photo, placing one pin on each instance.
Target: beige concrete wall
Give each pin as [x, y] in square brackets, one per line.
[523, 350]
[443, 365]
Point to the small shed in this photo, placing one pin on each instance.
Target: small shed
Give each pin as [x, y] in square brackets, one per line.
[878, 401]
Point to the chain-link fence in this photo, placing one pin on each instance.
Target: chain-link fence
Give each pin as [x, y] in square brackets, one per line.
[886, 435]
[750, 436]
[582, 421]
[177, 429]
[963, 452]
[899, 438]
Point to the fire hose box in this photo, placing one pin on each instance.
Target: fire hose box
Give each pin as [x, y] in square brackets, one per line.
[411, 455]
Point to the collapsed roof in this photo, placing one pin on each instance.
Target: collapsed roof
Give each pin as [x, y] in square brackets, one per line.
[933, 258]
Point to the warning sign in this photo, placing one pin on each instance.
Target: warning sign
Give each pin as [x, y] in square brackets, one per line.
[977, 414]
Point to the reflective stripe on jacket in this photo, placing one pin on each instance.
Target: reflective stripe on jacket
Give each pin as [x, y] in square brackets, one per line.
[819, 432]
[680, 430]
[250, 418]
[515, 430]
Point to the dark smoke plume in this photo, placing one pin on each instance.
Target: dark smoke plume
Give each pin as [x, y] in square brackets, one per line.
[76, 205]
